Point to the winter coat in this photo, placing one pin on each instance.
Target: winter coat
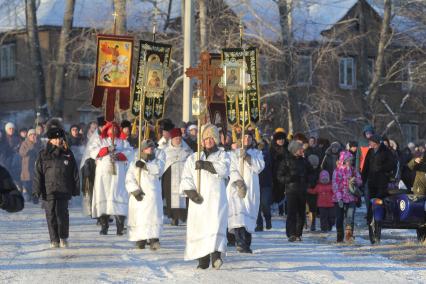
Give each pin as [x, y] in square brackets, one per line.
[340, 182]
[28, 152]
[330, 159]
[11, 199]
[296, 173]
[277, 154]
[377, 170]
[325, 195]
[265, 177]
[56, 174]
[419, 186]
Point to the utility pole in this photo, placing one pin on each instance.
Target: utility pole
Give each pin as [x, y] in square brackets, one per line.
[188, 21]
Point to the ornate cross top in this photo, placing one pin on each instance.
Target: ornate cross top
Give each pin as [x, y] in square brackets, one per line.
[204, 72]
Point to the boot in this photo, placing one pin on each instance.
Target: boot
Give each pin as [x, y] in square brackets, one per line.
[154, 244]
[258, 229]
[204, 262]
[216, 260]
[313, 222]
[104, 224]
[348, 234]
[340, 236]
[119, 222]
[63, 243]
[54, 244]
[141, 244]
[268, 224]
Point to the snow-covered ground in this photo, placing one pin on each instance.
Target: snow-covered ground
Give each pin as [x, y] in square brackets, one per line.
[25, 256]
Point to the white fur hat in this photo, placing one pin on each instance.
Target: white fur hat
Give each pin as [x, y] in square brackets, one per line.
[9, 125]
[210, 130]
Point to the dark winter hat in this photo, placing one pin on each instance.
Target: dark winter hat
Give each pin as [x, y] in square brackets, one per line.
[166, 124]
[175, 132]
[375, 138]
[74, 126]
[280, 136]
[147, 144]
[368, 128]
[55, 132]
[353, 144]
[126, 123]
[101, 121]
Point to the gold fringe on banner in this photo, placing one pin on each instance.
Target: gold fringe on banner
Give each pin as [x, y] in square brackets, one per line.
[257, 135]
[134, 127]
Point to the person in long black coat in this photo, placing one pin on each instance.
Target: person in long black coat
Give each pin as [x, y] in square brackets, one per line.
[297, 175]
[278, 151]
[56, 180]
[11, 199]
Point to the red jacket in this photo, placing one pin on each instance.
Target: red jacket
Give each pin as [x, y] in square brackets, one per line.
[325, 194]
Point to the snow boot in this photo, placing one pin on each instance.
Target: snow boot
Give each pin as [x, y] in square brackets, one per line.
[154, 244]
[204, 262]
[348, 234]
[63, 243]
[216, 260]
[141, 244]
[340, 236]
[104, 231]
[292, 239]
[54, 244]
[119, 222]
[258, 229]
[268, 224]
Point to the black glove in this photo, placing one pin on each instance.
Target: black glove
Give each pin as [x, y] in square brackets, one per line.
[141, 164]
[138, 194]
[247, 158]
[205, 165]
[241, 187]
[194, 196]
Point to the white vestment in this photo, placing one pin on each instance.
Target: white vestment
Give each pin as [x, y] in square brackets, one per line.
[207, 222]
[175, 159]
[145, 219]
[109, 193]
[243, 212]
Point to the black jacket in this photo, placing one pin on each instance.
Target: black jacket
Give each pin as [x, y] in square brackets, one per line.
[265, 176]
[56, 174]
[296, 173]
[277, 154]
[11, 199]
[378, 169]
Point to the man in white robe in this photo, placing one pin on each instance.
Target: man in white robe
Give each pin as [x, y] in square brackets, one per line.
[244, 193]
[145, 204]
[177, 151]
[207, 210]
[109, 193]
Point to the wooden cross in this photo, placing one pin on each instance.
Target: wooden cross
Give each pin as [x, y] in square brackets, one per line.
[204, 72]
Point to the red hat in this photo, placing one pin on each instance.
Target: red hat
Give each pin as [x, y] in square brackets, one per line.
[175, 132]
[104, 132]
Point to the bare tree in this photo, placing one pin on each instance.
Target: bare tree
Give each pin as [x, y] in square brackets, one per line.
[58, 99]
[37, 64]
[203, 25]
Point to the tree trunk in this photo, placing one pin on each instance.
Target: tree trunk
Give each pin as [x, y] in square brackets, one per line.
[384, 37]
[203, 25]
[121, 20]
[58, 96]
[284, 7]
[39, 87]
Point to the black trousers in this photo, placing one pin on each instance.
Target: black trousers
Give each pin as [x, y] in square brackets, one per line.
[327, 218]
[242, 238]
[296, 206]
[57, 218]
[119, 221]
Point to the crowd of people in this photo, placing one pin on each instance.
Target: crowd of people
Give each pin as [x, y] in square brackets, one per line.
[224, 193]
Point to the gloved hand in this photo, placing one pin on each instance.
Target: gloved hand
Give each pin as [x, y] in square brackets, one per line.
[138, 194]
[247, 158]
[111, 149]
[194, 196]
[205, 165]
[340, 203]
[140, 164]
[241, 188]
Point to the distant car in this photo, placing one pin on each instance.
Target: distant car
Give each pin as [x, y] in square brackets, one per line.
[398, 211]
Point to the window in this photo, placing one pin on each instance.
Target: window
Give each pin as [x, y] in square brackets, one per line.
[407, 76]
[370, 70]
[7, 61]
[304, 70]
[87, 65]
[347, 73]
[410, 132]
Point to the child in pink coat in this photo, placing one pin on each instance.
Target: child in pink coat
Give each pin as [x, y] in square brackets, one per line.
[325, 203]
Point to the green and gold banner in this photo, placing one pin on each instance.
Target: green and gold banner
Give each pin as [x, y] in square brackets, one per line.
[151, 79]
[235, 79]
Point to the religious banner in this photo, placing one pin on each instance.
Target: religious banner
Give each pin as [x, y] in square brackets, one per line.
[151, 79]
[235, 79]
[216, 96]
[113, 73]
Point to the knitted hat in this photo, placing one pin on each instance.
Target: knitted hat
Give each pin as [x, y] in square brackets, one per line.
[313, 160]
[279, 130]
[31, 132]
[191, 127]
[9, 125]
[324, 177]
[166, 124]
[295, 146]
[210, 131]
[147, 144]
[55, 132]
[344, 156]
[175, 132]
